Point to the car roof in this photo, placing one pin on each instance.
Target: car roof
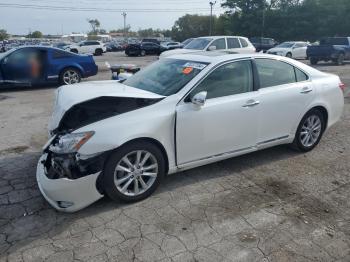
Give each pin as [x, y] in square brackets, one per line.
[221, 36]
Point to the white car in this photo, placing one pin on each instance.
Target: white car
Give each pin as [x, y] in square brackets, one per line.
[88, 47]
[237, 44]
[296, 50]
[121, 139]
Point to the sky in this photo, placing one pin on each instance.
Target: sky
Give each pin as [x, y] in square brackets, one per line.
[67, 16]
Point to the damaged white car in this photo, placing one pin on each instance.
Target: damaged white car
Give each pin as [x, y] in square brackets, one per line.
[121, 139]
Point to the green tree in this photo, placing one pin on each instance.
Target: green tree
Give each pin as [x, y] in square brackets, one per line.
[189, 26]
[95, 24]
[35, 34]
[3, 34]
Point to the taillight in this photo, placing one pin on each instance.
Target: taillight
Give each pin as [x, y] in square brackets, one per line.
[342, 86]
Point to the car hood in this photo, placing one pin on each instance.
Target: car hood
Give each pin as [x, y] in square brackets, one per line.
[278, 49]
[69, 96]
[178, 51]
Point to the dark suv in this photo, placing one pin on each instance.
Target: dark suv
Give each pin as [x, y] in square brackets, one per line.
[262, 43]
[145, 48]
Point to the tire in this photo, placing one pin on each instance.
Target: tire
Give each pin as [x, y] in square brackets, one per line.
[313, 61]
[313, 118]
[98, 52]
[70, 76]
[340, 59]
[143, 53]
[111, 173]
[74, 51]
[289, 55]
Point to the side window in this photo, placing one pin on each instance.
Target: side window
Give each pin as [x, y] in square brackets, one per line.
[219, 43]
[300, 75]
[233, 43]
[57, 54]
[230, 79]
[274, 73]
[243, 42]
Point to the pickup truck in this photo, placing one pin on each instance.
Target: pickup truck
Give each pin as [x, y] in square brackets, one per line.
[336, 49]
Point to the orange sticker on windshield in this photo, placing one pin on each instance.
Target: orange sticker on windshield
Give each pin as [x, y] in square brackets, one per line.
[187, 70]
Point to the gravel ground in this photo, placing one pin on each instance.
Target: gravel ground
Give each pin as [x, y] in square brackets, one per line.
[272, 205]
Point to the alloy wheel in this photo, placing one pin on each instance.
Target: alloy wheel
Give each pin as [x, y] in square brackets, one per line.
[310, 131]
[135, 173]
[70, 77]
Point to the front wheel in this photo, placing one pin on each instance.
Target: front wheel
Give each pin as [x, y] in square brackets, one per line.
[310, 131]
[289, 55]
[70, 76]
[134, 172]
[143, 53]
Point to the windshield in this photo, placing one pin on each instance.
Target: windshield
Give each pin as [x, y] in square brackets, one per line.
[198, 44]
[166, 76]
[286, 45]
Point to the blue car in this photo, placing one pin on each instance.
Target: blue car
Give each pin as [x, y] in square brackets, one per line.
[37, 65]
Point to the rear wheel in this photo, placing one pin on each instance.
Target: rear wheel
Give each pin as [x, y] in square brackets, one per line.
[310, 131]
[313, 61]
[134, 171]
[340, 59]
[143, 53]
[289, 55]
[98, 52]
[74, 51]
[70, 76]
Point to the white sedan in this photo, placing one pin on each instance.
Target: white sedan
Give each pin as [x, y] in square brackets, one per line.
[296, 50]
[121, 139]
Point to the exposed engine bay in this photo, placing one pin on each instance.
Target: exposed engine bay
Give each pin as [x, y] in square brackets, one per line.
[98, 109]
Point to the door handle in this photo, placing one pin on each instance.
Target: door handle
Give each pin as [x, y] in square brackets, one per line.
[306, 90]
[251, 103]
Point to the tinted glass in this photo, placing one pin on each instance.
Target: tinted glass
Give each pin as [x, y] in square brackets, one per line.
[230, 79]
[166, 76]
[244, 43]
[219, 43]
[60, 54]
[233, 43]
[300, 75]
[335, 41]
[274, 73]
[198, 44]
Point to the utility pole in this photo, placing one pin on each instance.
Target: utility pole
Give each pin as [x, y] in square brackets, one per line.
[211, 16]
[124, 15]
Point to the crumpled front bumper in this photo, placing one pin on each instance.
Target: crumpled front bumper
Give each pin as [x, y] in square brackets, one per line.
[65, 194]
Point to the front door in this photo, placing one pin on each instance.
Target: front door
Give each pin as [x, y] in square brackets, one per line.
[226, 123]
[21, 66]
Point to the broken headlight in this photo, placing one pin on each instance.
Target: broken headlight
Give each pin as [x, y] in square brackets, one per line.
[70, 143]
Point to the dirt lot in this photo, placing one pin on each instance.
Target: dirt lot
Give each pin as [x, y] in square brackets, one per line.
[273, 205]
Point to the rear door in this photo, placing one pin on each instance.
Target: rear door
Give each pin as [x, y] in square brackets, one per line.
[285, 93]
[299, 50]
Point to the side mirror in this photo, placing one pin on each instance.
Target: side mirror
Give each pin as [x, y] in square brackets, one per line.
[199, 99]
[212, 48]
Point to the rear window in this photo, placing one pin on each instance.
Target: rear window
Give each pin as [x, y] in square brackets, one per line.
[244, 43]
